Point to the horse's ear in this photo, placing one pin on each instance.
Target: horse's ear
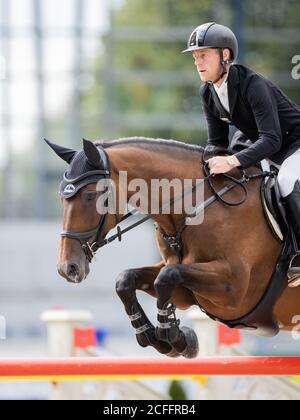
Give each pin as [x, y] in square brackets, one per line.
[92, 153]
[64, 153]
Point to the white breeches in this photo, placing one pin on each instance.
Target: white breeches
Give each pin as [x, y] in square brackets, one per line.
[289, 173]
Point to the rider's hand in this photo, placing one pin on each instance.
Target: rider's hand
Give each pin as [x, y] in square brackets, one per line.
[220, 165]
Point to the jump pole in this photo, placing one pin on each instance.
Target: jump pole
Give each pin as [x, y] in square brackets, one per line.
[60, 369]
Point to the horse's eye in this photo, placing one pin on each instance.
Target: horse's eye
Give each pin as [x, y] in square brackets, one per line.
[91, 196]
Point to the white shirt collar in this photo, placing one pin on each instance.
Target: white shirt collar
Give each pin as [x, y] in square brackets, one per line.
[223, 86]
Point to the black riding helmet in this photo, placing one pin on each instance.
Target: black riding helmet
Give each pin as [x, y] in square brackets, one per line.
[213, 35]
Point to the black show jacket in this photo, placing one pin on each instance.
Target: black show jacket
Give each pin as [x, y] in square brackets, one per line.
[260, 110]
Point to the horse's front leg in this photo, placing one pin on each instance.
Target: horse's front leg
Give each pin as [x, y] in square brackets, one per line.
[141, 279]
[207, 279]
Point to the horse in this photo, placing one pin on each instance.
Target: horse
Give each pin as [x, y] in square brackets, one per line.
[227, 261]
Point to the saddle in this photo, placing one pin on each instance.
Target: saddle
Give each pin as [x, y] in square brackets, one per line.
[261, 321]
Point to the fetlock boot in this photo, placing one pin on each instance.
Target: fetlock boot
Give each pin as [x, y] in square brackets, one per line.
[292, 202]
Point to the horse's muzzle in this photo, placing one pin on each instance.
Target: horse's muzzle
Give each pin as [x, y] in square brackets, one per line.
[73, 272]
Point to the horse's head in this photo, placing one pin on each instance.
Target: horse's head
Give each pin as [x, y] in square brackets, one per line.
[82, 224]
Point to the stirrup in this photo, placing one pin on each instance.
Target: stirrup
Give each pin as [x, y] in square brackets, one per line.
[294, 273]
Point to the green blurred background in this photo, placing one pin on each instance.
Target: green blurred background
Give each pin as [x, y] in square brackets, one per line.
[122, 74]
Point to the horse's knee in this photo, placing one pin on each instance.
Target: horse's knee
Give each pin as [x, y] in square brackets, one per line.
[169, 276]
[125, 283]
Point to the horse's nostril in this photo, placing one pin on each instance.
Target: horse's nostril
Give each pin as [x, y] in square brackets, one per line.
[73, 270]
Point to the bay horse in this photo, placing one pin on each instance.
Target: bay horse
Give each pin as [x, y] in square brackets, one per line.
[227, 262]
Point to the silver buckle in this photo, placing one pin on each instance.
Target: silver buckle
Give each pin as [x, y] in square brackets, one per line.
[135, 317]
[88, 250]
[142, 329]
[164, 325]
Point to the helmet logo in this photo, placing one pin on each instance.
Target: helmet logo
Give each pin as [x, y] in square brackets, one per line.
[193, 40]
[70, 188]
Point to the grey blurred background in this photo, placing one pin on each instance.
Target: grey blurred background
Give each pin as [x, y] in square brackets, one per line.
[103, 69]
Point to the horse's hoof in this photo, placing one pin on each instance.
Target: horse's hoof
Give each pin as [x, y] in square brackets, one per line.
[192, 349]
[149, 339]
[174, 353]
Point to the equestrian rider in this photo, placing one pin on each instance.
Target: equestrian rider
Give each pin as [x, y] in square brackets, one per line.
[236, 95]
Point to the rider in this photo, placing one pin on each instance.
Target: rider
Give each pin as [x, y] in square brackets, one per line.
[236, 95]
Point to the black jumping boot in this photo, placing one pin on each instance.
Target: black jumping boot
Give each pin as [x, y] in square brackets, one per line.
[293, 212]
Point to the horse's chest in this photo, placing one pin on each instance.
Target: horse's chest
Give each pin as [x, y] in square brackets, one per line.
[169, 256]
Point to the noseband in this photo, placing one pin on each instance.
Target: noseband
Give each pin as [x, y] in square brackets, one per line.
[88, 248]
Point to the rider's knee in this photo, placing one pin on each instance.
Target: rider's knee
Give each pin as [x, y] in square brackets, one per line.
[285, 178]
[286, 182]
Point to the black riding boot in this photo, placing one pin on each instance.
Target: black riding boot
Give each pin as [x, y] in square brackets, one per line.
[293, 211]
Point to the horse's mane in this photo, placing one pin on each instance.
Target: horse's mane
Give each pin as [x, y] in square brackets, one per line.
[144, 142]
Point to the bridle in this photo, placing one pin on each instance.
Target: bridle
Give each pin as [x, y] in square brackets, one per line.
[84, 238]
[175, 242]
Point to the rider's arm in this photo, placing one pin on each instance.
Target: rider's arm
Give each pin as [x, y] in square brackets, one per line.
[265, 111]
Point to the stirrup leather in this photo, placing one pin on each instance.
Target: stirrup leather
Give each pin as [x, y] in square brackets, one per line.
[294, 273]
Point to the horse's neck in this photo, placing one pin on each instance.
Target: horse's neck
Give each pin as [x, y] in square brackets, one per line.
[166, 163]
[138, 164]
